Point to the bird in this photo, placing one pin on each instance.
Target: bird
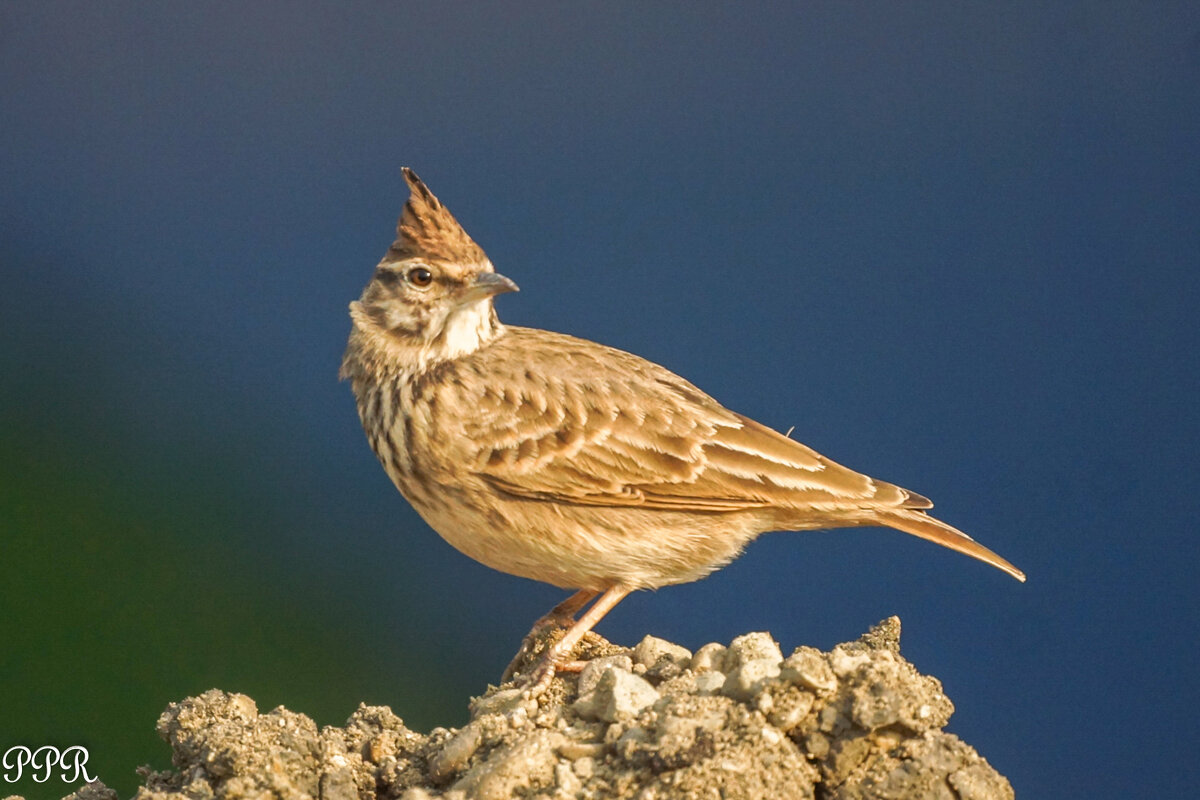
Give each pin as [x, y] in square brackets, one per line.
[568, 462]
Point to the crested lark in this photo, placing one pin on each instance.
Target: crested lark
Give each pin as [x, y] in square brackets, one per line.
[565, 461]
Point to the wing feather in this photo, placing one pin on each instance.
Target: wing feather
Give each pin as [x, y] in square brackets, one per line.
[581, 423]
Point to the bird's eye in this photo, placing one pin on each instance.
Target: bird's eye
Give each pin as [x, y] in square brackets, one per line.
[420, 277]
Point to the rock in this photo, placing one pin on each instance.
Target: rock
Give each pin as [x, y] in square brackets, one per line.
[453, 757]
[338, 784]
[788, 706]
[883, 635]
[663, 660]
[504, 701]
[566, 781]
[751, 647]
[845, 659]
[737, 722]
[589, 678]
[709, 682]
[96, 790]
[416, 793]
[746, 680]
[619, 695]
[808, 668]
[709, 657]
[526, 764]
[241, 752]
[584, 767]
[925, 767]
[887, 690]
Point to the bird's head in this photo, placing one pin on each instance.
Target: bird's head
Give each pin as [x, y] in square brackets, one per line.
[433, 289]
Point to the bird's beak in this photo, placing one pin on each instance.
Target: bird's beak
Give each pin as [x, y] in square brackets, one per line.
[488, 284]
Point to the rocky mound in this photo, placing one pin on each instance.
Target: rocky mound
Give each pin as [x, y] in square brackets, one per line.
[652, 723]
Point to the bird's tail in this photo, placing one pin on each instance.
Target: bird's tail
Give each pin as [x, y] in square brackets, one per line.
[918, 523]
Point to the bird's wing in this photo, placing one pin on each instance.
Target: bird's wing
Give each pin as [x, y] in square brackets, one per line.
[571, 421]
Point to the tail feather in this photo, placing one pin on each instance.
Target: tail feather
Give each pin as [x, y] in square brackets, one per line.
[918, 523]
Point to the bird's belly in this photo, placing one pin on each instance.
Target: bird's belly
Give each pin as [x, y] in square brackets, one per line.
[591, 547]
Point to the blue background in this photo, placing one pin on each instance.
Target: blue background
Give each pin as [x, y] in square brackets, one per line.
[955, 246]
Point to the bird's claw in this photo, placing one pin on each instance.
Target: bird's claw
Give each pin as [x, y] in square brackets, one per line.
[540, 679]
[529, 645]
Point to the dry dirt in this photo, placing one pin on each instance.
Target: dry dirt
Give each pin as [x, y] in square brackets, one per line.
[656, 722]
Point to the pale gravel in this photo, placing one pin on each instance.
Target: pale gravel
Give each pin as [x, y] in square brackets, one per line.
[655, 722]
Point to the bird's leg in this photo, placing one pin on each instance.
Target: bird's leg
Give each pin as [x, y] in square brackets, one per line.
[556, 655]
[561, 616]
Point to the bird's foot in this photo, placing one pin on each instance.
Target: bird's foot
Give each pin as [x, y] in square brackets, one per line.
[560, 617]
[538, 681]
[553, 662]
[534, 642]
[556, 655]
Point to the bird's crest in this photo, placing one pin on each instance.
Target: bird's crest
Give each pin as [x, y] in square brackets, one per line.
[427, 229]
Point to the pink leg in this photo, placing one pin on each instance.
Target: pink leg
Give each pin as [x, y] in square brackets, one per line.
[564, 613]
[557, 655]
[561, 616]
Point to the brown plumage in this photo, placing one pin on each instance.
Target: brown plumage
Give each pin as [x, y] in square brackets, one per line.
[565, 461]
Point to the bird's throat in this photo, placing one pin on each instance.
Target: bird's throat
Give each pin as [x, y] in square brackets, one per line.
[467, 328]
[372, 343]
